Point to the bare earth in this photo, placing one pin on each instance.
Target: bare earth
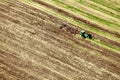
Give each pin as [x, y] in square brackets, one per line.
[33, 47]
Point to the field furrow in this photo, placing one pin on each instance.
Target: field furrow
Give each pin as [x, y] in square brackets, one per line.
[114, 42]
[33, 47]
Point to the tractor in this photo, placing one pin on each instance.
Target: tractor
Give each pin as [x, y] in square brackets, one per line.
[85, 35]
[75, 31]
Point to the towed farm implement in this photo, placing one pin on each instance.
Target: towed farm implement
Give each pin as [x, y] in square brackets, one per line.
[75, 31]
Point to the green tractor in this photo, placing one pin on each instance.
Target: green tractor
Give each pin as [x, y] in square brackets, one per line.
[85, 35]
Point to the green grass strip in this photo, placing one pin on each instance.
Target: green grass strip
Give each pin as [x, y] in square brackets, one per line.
[107, 45]
[99, 9]
[109, 5]
[108, 23]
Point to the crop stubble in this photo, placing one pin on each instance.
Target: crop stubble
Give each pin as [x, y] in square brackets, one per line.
[49, 52]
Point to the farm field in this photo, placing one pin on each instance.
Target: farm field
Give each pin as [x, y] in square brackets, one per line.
[33, 47]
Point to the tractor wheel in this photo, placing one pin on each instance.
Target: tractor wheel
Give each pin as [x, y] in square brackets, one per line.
[90, 36]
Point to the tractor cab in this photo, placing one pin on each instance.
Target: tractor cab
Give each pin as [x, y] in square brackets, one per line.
[85, 35]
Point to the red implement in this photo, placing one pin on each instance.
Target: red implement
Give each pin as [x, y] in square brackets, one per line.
[69, 29]
[74, 31]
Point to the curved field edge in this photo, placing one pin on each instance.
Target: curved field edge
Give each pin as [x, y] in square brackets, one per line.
[68, 19]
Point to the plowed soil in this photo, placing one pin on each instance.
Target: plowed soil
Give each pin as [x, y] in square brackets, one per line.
[33, 47]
